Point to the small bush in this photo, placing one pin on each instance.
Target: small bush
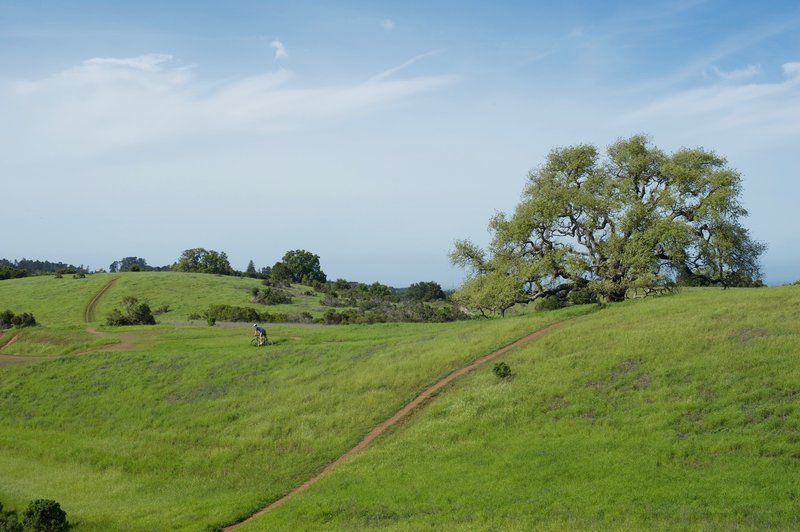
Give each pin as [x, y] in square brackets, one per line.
[132, 313]
[502, 370]
[9, 522]
[45, 515]
[25, 319]
[271, 296]
[79, 275]
[6, 318]
[9, 319]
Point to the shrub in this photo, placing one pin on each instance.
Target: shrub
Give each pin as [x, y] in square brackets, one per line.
[271, 296]
[45, 515]
[502, 370]
[231, 313]
[79, 275]
[6, 318]
[9, 522]
[132, 313]
[25, 319]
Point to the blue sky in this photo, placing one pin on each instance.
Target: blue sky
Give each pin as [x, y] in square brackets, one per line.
[371, 133]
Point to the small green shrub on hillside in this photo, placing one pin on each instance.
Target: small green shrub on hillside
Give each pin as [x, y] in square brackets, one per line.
[231, 313]
[45, 515]
[502, 370]
[132, 313]
[25, 319]
[5, 319]
[9, 522]
[9, 319]
[271, 296]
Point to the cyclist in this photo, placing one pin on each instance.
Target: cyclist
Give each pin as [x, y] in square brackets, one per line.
[261, 333]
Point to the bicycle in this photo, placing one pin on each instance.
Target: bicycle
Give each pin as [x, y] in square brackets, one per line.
[255, 341]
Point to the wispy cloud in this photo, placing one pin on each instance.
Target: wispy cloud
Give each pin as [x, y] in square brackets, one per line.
[280, 49]
[765, 109]
[740, 74]
[394, 70]
[387, 24]
[106, 103]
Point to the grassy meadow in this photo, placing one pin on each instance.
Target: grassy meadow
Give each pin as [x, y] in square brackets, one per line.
[192, 428]
[670, 412]
[678, 412]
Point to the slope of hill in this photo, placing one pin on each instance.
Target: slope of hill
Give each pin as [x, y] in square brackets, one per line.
[191, 427]
[677, 412]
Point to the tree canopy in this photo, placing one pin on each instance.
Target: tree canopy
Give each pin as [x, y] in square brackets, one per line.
[303, 266]
[635, 218]
[200, 260]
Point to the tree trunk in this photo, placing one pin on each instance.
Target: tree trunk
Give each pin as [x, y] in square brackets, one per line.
[616, 296]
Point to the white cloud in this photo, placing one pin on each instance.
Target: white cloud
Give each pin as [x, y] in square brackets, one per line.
[280, 49]
[740, 74]
[391, 71]
[387, 24]
[791, 69]
[107, 103]
[766, 109]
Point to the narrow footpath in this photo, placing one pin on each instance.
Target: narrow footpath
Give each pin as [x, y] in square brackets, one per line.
[403, 412]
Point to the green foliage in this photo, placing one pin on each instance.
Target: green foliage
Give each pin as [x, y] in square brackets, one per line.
[9, 522]
[279, 275]
[502, 370]
[9, 272]
[425, 291]
[271, 296]
[133, 264]
[45, 515]
[199, 260]
[636, 219]
[251, 269]
[303, 266]
[132, 313]
[490, 293]
[234, 313]
[6, 318]
[9, 319]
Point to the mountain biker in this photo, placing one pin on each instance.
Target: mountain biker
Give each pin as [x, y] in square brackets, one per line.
[261, 333]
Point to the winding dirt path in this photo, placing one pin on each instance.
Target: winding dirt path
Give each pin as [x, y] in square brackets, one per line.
[403, 412]
[88, 313]
[88, 316]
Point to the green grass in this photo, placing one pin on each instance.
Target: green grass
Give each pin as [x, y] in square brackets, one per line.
[189, 293]
[196, 428]
[674, 412]
[54, 302]
[679, 413]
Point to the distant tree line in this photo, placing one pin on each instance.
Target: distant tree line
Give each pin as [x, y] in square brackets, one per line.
[25, 267]
[135, 264]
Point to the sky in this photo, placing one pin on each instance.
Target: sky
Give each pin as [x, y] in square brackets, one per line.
[373, 134]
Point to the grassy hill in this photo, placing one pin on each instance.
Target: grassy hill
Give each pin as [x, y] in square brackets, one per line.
[190, 427]
[678, 412]
[670, 412]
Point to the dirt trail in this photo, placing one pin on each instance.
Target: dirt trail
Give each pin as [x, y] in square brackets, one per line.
[380, 429]
[88, 313]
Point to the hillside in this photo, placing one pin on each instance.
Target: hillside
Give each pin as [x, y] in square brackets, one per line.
[185, 427]
[667, 412]
[677, 412]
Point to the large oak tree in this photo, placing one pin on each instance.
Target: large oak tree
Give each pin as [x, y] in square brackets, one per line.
[634, 218]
